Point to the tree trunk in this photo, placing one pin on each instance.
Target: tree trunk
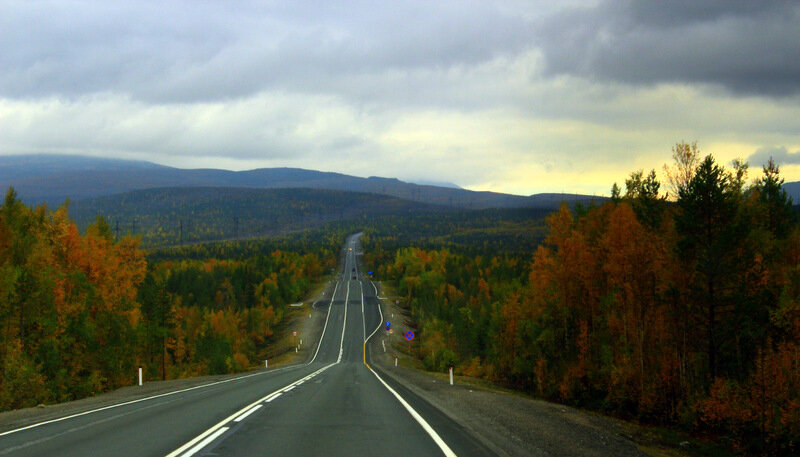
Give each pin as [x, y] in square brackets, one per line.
[164, 358]
[712, 347]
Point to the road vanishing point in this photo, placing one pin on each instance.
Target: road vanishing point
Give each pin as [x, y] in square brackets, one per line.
[335, 405]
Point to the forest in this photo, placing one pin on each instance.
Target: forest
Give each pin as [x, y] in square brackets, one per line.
[165, 217]
[678, 308]
[82, 305]
[80, 312]
[674, 303]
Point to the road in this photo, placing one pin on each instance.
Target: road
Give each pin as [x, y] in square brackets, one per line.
[335, 405]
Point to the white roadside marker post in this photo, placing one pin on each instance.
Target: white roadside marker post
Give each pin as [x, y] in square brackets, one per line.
[395, 361]
[451, 376]
[140, 376]
[266, 364]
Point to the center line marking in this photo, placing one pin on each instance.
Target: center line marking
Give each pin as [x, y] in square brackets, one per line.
[217, 430]
[203, 443]
[138, 400]
[344, 322]
[249, 412]
[212, 433]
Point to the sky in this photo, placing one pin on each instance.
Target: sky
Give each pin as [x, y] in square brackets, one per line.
[509, 96]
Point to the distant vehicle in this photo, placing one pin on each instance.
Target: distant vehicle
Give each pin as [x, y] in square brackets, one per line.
[354, 277]
[354, 268]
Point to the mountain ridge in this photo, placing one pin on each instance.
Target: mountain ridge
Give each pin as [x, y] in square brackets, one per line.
[52, 179]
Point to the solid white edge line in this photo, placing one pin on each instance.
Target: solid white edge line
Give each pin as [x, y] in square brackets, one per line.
[249, 412]
[272, 395]
[422, 422]
[379, 323]
[72, 416]
[205, 442]
[363, 321]
[138, 400]
[319, 344]
[38, 424]
[278, 392]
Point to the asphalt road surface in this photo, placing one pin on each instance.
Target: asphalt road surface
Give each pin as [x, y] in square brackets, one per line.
[336, 405]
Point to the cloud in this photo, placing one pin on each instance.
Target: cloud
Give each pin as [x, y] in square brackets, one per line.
[266, 127]
[175, 51]
[779, 154]
[749, 48]
[520, 96]
[677, 12]
[197, 52]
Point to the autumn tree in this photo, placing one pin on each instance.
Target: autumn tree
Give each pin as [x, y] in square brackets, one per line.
[69, 312]
[686, 158]
[643, 194]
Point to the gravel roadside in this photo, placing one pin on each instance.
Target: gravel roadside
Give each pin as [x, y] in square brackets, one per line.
[508, 424]
[308, 329]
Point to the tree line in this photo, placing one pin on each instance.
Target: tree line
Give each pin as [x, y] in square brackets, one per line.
[190, 215]
[80, 312]
[81, 309]
[674, 308]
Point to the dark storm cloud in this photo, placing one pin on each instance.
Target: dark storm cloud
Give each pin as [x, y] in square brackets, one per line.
[201, 51]
[677, 12]
[779, 154]
[748, 47]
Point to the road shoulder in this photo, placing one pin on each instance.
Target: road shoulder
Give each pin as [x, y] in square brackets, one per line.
[509, 424]
[309, 330]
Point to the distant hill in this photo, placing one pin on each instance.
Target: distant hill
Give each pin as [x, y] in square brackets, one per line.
[167, 216]
[54, 178]
[449, 185]
[17, 167]
[793, 190]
